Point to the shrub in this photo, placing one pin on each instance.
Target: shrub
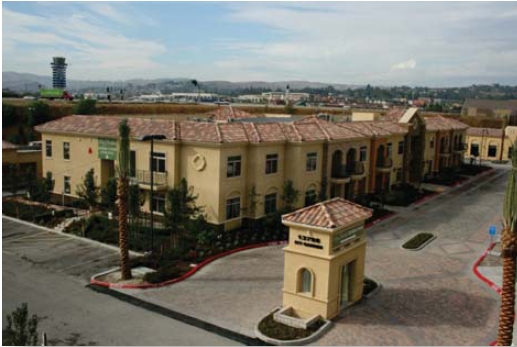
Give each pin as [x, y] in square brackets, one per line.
[417, 241]
[86, 107]
[21, 330]
[163, 274]
[269, 327]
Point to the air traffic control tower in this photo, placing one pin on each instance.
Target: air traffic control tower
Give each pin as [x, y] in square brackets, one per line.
[58, 73]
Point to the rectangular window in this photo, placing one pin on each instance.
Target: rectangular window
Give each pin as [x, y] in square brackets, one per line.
[233, 208]
[48, 149]
[234, 166]
[492, 151]
[271, 163]
[132, 164]
[474, 149]
[310, 197]
[158, 204]
[270, 203]
[401, 147]
[431, 143]
[311, 162]
[66, 150]
[67, 188]
[389, 149]
[362, 154]
[158, 162]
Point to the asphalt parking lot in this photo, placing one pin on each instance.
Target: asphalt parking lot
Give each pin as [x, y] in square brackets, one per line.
[56, 252]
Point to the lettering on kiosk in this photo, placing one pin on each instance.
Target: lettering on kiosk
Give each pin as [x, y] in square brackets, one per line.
[308, 241]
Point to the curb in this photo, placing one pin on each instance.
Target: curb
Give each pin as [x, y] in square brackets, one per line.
[298, 342]
[191, 272]
[84, 239]
[198, 323]
[478, 274]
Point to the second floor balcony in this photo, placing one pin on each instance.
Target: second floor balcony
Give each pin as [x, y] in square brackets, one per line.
[460, 147]
[384, 164]
[343, 173]
[143, 178]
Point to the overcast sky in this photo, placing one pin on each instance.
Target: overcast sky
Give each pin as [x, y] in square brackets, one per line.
[432, 44]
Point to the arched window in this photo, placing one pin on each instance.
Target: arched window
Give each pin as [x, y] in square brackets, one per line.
[305, 281]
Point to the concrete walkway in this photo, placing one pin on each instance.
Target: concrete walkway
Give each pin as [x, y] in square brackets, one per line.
[428, 297]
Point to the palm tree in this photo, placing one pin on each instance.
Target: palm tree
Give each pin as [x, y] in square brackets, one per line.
[509, 252]
[123, 193]
[196, 85]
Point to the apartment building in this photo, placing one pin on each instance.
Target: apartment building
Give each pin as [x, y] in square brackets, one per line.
[224, 161]
[20, 161]
[490, 144]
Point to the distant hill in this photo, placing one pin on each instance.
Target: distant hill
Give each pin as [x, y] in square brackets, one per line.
[26, 82]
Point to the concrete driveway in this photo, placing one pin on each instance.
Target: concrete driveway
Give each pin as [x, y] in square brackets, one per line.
[429, 297]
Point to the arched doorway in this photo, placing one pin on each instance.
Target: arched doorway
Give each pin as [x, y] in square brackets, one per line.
[337, 163]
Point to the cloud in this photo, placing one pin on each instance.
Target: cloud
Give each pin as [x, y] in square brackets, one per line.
[95, 49]
[405, 65]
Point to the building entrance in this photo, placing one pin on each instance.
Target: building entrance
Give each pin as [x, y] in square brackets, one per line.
[346, 272]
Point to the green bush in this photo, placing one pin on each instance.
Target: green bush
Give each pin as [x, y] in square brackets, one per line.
[163, 274]
[417, 241]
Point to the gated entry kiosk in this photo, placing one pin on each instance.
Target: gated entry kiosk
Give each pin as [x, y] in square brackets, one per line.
[324, 260]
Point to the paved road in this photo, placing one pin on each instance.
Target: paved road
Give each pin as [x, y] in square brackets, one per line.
[429, 297]
[49, 272]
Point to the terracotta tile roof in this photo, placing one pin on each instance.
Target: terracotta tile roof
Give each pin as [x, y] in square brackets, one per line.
[8, 145]
[375, 128]
[329, 130]
[226, 113]
[395, 114]
[440, 123]
[487, 132]
[491, 104]
[330, 214]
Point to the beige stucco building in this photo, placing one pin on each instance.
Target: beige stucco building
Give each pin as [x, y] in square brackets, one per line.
[490, 144]
[226, 158]
[21, 160]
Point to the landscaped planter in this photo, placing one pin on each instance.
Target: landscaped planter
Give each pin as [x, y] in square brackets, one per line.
[418, 241]
[270, 331]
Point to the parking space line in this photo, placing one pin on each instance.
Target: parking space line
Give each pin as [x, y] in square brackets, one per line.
[86, 262]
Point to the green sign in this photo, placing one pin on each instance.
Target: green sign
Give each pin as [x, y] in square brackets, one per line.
[107, 149]
[51, 93]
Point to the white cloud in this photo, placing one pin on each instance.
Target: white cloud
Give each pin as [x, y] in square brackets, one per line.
[93, 50]
[405, 65]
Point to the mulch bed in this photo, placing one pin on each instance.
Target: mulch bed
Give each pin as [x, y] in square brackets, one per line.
[269, 327]
[417, 241]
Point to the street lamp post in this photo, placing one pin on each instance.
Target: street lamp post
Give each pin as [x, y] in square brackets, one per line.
[483, 132]
[152, 138]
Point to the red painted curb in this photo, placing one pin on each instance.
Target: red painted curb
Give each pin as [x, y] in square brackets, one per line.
[491, 284]
[378, 220]
[187, 274]
[425, 198]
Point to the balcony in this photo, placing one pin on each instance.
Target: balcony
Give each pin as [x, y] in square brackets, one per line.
[384, 164]
[357, 170]
[460, 148]
[340, 174]
[143, 178]
[445, 152]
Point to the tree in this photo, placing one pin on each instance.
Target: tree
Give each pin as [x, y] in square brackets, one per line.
[509, 253]
[20, 329]
[109, 194]
[40, 189]
[196, 85]
[289, 196]
[86, 107]
[123, 190]
[8, 115]
[182, 211]
[37, 113]
[88, 191]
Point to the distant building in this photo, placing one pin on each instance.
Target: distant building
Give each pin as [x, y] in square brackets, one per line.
[490, 108]
[282, 97]
[21, 161]
[58, 73]
[490, 144]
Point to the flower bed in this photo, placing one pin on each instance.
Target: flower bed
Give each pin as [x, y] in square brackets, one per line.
[418, 241]
[278, 331]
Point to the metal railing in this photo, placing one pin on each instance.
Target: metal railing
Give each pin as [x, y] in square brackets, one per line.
[144, 177]
[345, 171]
[460, 147]
[384, 162]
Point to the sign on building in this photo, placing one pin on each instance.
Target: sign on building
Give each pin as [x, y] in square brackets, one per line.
[107, 149]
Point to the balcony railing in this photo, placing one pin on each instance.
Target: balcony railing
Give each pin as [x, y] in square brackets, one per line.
[144, 177]
[460, 147]
[345, 171]
[445, 150]
[384, 163]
